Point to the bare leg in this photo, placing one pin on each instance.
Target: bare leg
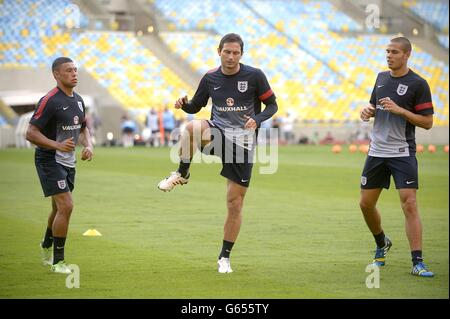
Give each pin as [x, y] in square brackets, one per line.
[413, 225]
[48, 237]
[52, 215]
[197, 133]
[235, 200]
[368, 201]
[64, 206]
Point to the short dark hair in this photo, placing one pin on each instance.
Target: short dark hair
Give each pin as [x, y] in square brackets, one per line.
[231, 37]
[59, 61]
[404, 43]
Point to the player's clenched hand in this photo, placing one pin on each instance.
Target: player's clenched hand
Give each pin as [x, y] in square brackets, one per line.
[390, 106]
[180, 102]
[367, 112]
[251, 123]
[87, 153]
[66, 145]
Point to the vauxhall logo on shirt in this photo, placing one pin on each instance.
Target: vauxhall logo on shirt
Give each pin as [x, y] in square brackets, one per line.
[76, 121]
[230, 107]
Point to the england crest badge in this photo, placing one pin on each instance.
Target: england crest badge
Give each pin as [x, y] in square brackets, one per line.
[62, 184]
[363, 180]
[401, 90]
[242, 86]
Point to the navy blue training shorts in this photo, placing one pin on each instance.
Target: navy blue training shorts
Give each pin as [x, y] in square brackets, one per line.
[55, 178]
[378, 170]
[237, 162]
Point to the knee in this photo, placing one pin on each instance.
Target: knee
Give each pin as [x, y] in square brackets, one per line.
[234, 205]
[366, 205]
[66, 207]
[190, 127]
[409, 204]
[188, 130]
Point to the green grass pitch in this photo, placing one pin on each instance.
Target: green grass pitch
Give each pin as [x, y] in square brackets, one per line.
[303, 235]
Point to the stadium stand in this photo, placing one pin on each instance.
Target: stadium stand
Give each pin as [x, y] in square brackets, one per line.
[117, 60]
[357, 58]
[23, 24]
[443, 40]
[293, 51]
[315, 63]
[433, 12]
[287, 66]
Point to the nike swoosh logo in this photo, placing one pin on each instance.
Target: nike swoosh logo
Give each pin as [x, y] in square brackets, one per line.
[57, 247]
[217, 88]
[380, 86]
[244, 180]
[409, 182]
[65, 108]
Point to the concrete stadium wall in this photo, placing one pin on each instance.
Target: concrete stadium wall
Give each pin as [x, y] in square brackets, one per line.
[40, 80]
[7, 137]
[436, 135]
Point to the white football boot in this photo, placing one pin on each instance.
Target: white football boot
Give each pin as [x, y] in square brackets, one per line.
[61, 267]
[175, 178]
[46, 255]
[224, 265]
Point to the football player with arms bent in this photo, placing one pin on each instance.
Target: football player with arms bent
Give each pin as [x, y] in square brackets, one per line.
[57, 125]
[237, 91]
[400, 101]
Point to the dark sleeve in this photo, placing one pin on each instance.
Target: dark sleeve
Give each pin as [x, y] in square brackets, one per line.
[265, 95]
[424, 104]
[200, 98]
[43, 113]
[83, 124]
[270, 109]
[263, 89]
[373, 96]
